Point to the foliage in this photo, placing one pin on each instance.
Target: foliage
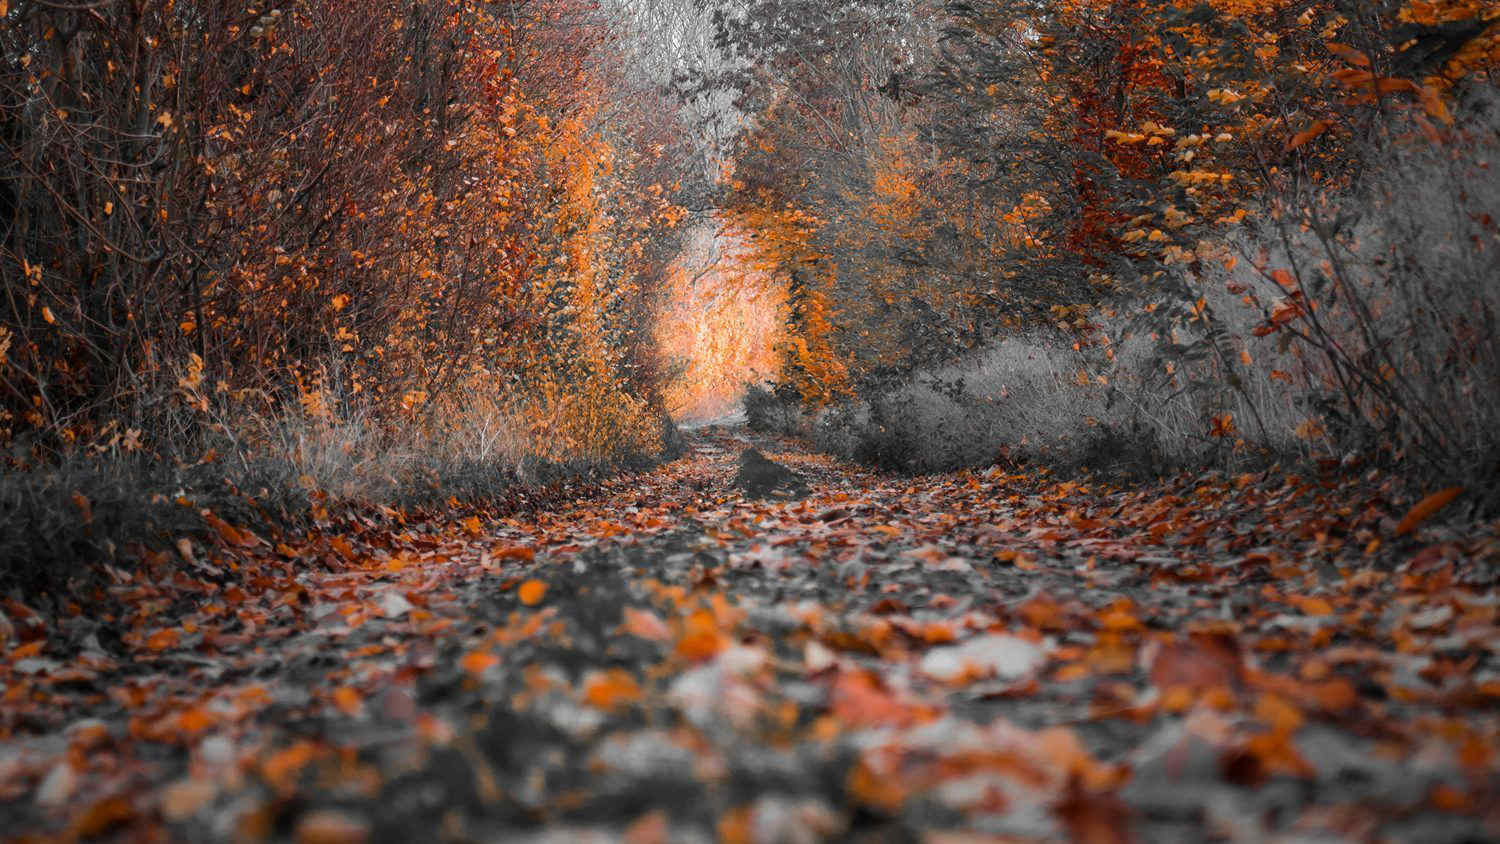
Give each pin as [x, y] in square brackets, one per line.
[941, 176]
[395, 204]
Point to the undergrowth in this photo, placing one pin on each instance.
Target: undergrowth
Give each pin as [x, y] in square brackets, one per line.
[1350, 331]
[78, 520]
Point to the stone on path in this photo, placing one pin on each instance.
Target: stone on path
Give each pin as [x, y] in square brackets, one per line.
[761, 477]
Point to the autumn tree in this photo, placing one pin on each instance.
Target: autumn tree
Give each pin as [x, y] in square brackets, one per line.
[324, 204]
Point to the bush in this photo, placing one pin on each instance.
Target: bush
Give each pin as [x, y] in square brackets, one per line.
[777, 410]
[1358, 329]
[1012, 404]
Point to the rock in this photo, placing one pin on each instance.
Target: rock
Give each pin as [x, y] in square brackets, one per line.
[761, 477]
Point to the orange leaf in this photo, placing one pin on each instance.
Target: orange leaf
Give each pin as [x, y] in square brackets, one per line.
[162, 639]
[477, 662]
[1348, 54]
[653, 828]
[1317, 128]
[281, 768]
[1350, 78]
[646, 625]
[1312, 606]
[610, 689]
[194, 721]
[1278, 755]
[1118, 617]
[513, 552]
[182, 799]
[858, 700]
[329, 826]
[1426, 507]
[871, 788]
[1276, 713]
[85, 509]
[347, 700]
[1432, 103]
[735, 826]
[700, 637]
[1391, 85]
[532, 592]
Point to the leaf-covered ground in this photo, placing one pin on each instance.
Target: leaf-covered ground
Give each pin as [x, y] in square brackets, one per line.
[966, 657]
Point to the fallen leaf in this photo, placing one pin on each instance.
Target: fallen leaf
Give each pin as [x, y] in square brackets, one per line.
[348, 700]
[610, 689]
[646, 625]
[513, 552]
[532, 592]
[183, 799]
[650, 828]
[1424, 509]
[329, 826]
[477, 662]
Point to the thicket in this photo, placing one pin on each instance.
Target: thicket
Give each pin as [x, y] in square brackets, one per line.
[307, 252]
[1201, 233]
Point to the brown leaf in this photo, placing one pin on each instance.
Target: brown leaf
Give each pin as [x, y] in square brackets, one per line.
[329, 826]
[101, 816]
[1094, 818]
[182, 799]
[85, 509]
[1425, 508]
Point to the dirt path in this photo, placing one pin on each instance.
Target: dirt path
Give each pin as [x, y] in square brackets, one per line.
[954, 658]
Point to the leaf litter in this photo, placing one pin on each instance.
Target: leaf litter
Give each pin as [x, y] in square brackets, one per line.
[965, 657]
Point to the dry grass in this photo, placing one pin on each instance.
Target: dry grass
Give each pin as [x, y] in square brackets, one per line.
[270, 467]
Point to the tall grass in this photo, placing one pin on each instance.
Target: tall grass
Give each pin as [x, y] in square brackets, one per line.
[277, 465]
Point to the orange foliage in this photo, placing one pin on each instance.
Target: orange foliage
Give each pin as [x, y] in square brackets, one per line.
[391, 212]
[719, 326]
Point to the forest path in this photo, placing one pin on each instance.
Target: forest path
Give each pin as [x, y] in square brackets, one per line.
[989, 655]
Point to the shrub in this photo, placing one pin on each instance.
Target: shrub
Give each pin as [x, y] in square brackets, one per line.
[775, 410]
[1358, 328]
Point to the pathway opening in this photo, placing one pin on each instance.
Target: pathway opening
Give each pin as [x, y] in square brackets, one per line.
[719, 326]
